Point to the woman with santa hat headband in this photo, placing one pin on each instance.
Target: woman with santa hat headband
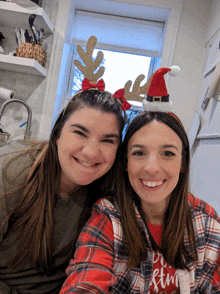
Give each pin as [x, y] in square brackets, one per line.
[153, 236]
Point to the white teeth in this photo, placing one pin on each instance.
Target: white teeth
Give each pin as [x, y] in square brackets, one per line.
[152, 184]
[85, 163]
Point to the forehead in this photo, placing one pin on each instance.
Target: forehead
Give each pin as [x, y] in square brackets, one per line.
[155, 132]
[90, 117]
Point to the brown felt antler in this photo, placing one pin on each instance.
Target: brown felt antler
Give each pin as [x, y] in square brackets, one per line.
[137, 90]
[90, 65]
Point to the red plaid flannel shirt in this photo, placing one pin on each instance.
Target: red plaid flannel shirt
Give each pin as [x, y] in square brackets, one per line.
[100, 261]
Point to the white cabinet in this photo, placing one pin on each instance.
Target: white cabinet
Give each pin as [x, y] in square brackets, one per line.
[14, 15]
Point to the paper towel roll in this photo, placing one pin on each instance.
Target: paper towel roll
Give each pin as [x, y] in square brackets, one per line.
[6, 94]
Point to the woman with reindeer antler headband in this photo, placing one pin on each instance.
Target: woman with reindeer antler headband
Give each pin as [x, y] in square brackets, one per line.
[47, 190]
[154, 236]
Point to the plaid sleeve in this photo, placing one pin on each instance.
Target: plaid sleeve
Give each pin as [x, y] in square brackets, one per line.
[91, 270]
[216, 278]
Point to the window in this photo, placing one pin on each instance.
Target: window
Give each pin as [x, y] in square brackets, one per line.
[131, 47]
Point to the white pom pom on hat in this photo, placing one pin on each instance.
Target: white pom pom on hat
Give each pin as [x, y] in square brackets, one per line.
[157, 95]
[174, 70]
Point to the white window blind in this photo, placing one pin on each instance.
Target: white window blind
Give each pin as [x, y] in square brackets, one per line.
[125, 34]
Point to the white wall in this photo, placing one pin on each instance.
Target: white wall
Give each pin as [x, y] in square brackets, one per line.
[189, 55]
[206, 152]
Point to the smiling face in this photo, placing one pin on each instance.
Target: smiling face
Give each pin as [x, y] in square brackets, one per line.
[154, 162]
[87, 147]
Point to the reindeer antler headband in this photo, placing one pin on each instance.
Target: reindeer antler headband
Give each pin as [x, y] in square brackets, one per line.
[90, 66]
[92, 80]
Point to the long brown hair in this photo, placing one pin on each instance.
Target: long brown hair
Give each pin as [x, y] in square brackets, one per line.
[177, 217]
[32, 216]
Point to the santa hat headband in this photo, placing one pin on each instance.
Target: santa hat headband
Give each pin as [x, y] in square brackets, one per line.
[157, 96]
[155, 91]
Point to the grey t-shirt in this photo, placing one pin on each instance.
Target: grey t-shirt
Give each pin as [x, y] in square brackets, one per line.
[28, 280]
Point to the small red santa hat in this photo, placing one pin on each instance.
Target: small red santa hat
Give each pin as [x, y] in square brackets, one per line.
[157, 95]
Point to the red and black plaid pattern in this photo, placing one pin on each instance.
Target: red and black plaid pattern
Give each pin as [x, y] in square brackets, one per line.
[100, 260]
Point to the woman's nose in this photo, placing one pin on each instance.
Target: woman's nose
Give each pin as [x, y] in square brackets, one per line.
[91, 149]
[152, 164]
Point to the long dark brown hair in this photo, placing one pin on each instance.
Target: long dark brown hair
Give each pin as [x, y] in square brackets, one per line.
[32, 216]
[177, 217]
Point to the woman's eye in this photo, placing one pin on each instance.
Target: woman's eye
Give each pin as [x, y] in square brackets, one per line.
[138, 153]
[169, 153]
[80, 133]
[108, 141]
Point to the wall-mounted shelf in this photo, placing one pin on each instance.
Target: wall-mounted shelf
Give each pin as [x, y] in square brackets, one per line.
[14, 15]
[22, 65]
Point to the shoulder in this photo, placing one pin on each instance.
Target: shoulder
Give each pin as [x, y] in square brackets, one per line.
[16, 160]
[98, 225]
[108, 206]
[17, 150]
[10, 157]
[11, 150]
[206, 224]
[200, 207]
[17, 163]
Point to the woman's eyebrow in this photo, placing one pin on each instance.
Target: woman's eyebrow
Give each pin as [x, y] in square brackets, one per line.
[80, 127]
[164, 146]
[137, 146]
[111, 136]
[170, 146]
